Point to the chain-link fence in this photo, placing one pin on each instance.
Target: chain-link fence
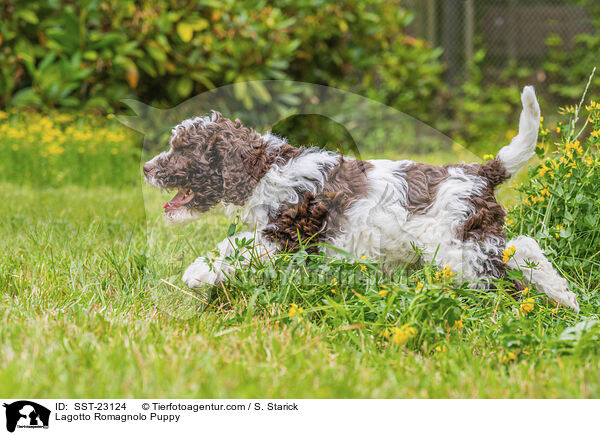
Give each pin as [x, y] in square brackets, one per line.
[508, 30]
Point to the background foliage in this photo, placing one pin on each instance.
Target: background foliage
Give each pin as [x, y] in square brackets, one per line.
[93, 53]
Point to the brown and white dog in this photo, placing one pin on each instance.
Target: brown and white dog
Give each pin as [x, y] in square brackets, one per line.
[377, 208]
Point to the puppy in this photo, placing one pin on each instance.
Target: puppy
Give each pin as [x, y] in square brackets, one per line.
[377, 208]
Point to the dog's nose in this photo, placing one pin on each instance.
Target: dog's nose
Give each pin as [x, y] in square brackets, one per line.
[146, 168]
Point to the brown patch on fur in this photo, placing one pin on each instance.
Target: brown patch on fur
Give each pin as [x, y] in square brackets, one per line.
[424, 180]
[423, 183]
[493, 171]
[316, 217]
[221, 161]
[489, 215]
[488, 219]
[245, 159]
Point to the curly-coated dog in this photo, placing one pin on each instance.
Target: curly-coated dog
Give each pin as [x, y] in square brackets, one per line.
[377, 208]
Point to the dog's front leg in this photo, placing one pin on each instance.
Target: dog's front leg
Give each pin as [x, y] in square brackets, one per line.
[210, 271]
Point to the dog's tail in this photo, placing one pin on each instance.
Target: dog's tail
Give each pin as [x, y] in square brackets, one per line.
[521, 148]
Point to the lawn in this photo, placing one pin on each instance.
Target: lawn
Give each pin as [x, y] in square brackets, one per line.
[87, 311]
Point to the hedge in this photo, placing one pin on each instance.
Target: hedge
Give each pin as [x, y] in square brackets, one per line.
[91, 54]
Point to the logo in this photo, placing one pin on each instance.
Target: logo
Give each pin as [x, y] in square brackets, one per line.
[26, 414]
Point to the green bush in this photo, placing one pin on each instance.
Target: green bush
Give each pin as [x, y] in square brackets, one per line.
[91, 54]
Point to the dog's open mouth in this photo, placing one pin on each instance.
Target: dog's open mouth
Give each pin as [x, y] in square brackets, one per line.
[183, 197]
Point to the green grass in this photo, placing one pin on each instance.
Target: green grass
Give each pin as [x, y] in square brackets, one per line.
[81, 316]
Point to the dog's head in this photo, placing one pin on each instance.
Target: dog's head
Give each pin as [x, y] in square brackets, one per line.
[211, 159]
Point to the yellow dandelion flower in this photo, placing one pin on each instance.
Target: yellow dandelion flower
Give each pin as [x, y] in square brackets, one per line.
[543, 169]
[573, 146]
[458, 324]
[508, 357]
[403, 334]
[525, 291]
[293, 311]
[527, 306]
[383, 293]
[55, 150]
[296, 311]
[508, 253]
[63, 118]
[447, 272]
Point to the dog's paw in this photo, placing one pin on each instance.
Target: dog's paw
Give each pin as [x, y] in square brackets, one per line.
[199, 274]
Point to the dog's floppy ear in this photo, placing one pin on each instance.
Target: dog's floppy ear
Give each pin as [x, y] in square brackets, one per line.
[245, 161]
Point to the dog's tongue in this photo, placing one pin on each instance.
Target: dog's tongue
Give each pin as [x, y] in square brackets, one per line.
[182, 197]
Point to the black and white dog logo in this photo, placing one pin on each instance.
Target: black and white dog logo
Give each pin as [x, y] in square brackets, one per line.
[26, 414]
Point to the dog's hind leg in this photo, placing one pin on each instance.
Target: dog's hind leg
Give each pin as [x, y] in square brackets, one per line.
[542, 275]
[480, 264]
